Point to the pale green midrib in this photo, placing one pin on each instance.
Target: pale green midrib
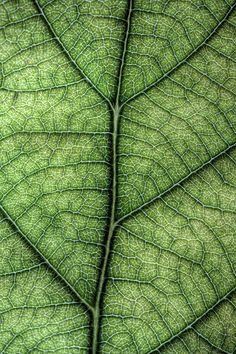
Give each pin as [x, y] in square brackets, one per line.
[173, 186]
[204, 314]
[116, 115]
[108, 241]
[46, 261]
[65, 51]
[166, 75]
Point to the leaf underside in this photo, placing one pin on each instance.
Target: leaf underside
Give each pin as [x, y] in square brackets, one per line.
[117, 176]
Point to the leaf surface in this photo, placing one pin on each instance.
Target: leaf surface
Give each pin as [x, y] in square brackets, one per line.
[117, 176]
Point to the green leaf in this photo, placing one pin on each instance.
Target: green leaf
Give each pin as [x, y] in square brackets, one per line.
[117, 176]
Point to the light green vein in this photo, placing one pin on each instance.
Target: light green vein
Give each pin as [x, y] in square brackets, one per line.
[149, 202]
[198, 319]
[165, 75]
[45, 260]
[65, 51]
[116, 116]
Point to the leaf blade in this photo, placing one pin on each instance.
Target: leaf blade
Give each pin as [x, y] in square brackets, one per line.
[123, 182]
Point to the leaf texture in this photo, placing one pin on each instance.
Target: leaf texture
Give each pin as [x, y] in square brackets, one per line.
[117, 176]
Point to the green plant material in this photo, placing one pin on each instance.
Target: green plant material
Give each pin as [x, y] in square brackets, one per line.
[117, 176]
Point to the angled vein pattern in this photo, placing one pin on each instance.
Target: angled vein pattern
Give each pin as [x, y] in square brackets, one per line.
[37, 311]
[117, 176]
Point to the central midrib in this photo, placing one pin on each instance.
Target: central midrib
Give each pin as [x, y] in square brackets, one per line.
[116, 109]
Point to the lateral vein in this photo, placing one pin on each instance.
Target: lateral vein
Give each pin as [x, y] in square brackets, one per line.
[65, 51]
[166, 75]
[178, 183]
[190, 326]
[45, 260]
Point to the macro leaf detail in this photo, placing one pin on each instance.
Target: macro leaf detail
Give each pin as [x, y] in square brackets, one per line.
[117, 176]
